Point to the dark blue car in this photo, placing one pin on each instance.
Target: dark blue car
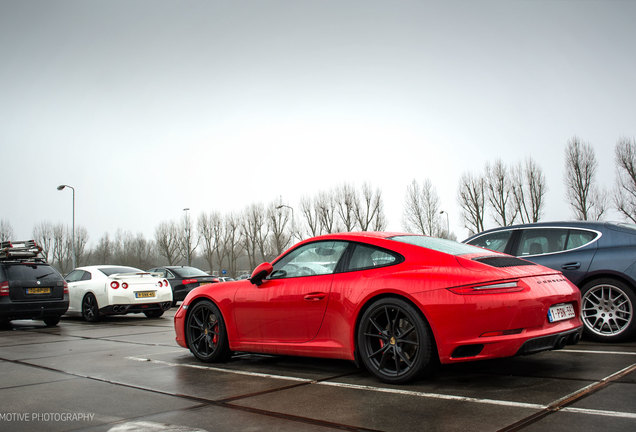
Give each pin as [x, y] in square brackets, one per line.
[598, 257]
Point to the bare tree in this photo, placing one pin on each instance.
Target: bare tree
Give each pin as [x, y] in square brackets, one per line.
[586, 200]
[81, 239]
[528, 190]
[472, 200]
[345, 206]
[43, 235]
[6, 230]
[309, 212]
[278, 220]
[103, 252]
[188, 239]
[325, 206]
[167, 241]
[368, 209]
[421, 209]
[232, 241]
[499, 193]
[254, 233]
[209, 242]
[625, 194]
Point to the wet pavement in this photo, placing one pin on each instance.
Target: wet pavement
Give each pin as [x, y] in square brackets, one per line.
[127, 374]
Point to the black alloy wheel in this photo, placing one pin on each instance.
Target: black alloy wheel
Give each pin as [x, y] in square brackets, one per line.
[90, 308]
[394, 341]
[206, 334]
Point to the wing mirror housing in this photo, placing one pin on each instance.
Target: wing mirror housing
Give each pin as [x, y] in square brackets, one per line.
[260, 273]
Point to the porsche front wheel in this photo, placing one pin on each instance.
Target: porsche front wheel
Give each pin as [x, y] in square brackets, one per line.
[206, 334]
[394, 341]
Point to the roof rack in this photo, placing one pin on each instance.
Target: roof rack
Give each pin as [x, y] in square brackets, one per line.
[19, 249]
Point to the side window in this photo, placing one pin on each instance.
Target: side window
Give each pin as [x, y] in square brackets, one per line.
[169, 275]
[74, 276]
[542, 241]
[312, 259]
[496, 241]
[86, 276]
[365, 257]
[578, 238]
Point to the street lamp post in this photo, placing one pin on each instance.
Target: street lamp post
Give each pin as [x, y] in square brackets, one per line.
[61, 187]
[187, 228]
[447, 223]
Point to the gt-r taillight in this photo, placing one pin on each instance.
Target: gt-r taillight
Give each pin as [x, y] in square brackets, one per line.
[124, 285]
[189, 281]
[114, 284]
[492, 288]
[4, 288]
[162, 283]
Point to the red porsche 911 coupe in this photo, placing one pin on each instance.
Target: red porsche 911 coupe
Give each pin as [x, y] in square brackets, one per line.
[397, 303]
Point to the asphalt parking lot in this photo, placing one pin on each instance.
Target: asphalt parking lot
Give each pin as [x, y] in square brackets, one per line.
[127, 373]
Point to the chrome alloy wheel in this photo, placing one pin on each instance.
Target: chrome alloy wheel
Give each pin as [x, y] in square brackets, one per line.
[607, 310]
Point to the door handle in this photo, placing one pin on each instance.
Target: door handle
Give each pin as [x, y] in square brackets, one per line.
[316, 296]
[571, 266]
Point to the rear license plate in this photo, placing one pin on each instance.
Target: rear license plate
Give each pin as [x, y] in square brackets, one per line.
[561, 312]
[38, 290]
[144, 294]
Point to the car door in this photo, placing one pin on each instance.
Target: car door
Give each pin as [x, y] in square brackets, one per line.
[565, 249]
[290, 304]
[79, 282]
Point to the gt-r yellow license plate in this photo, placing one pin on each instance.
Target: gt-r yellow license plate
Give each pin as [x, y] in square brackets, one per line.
[38, 290]
[144, 294]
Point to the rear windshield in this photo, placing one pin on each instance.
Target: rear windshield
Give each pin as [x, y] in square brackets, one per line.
[440, 245]
[113, 270]
[33, 272]
[189, 272]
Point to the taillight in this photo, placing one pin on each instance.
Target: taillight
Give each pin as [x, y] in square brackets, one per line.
[124, 285]
[189, 281]
[4, 288]
[114, 284]
[493, 288]
[65, 288]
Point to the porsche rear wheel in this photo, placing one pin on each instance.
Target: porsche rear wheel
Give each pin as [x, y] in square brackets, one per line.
[206, 334]
[394, 341]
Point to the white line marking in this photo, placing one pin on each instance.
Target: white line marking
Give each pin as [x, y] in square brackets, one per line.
[411, 392]
[600, 412]
[598, 352]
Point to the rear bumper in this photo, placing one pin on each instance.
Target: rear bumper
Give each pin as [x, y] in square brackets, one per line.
[32, 310]
[123, 309]
[551, 342]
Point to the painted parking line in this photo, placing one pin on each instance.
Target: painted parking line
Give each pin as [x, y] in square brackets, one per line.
[402, 392]
[625, 353]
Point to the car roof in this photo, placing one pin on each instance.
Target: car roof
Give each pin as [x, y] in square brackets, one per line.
[552, 224]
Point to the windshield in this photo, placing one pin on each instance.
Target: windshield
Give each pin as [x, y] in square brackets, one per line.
[438, 244]
[114, 270]
[189, 272]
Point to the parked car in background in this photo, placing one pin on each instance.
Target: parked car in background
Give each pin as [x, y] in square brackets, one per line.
[397, 303]
[183, 279]
[29, 287]
[598, 257]
[100, 290]
[225, 279]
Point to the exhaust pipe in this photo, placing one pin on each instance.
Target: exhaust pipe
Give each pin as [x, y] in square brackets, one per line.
[563, 340]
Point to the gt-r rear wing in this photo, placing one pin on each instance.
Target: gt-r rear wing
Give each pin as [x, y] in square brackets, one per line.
[133, 275]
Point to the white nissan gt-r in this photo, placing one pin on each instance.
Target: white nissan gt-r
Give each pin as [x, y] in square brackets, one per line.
[116, 290]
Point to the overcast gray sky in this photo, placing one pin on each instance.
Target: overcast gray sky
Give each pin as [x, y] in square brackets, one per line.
[147, 107]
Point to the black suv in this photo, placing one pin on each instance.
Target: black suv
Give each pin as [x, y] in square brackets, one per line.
[29, 287]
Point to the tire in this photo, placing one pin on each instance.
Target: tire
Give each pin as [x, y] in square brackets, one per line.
[51, 321]
[206, 334]
[607, 310]
[90, 308]
[153, 313]
[394, 342]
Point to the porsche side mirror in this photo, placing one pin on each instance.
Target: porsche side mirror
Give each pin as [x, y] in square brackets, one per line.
[260, 273]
